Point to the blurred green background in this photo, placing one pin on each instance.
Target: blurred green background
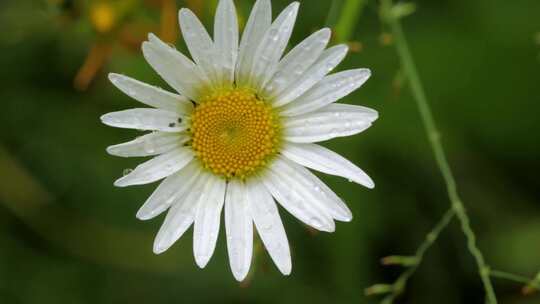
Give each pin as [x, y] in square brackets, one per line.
[68, 236]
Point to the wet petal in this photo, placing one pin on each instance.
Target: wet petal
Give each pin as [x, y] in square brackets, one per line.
[324, 160]
[207, 219]
[239, 228]
[179, 218]
[272, 46]
[336, 120]
[226, 39]
[326, 63]
[151, 144]
[173, 188]
[259, 21]
[296, 62]
[269, 226]
[157, 168]
[146, 120]
[152, 96]
[173, 67]
[282, 181]
[329, 90]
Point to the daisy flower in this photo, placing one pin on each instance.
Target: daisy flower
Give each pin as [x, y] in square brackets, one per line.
[239, 133]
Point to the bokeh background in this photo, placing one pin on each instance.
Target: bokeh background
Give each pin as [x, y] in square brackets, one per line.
[68, 236]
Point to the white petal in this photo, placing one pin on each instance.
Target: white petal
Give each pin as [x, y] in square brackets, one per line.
[146, 120]
[285, 184]
[207, 219]
[296, 62]
[330, 89]
[173, 188]
[326, 63]
[200, 45]
[269, 226]
[259, 21]
[175, 68]
[157, 168]
[151, 144]
[335, 120]
[151, 95]
[226, 38]
[179, 219]
[239, 228]
[272, 46]
[314, 191]
[324, 160]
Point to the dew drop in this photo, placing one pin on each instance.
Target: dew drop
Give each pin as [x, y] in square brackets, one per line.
[267, 226]
[274, 35]
[148, 146]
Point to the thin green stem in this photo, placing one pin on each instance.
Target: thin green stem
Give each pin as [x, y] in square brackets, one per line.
[433, 135]
[514, 277]
[400, 284]
[333, 13]
[350, 12]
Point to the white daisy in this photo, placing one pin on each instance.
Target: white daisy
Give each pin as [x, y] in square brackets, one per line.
[239, 133]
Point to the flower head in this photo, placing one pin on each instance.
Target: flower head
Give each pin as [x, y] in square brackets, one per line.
[240, 132]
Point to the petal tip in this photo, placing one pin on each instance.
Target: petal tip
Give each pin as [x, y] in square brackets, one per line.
[326, 31]
[286, 269]
[201, 261]
[240, 275]
[106, 119]
[121, 182]
[159, 248]
[347, 218]
[151, 36]
[113, 77]
[111, 150]
[146, 45]
[143, 215]
[294, 7]
[184, 12]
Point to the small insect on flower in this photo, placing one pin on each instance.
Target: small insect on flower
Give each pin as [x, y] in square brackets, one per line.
[240, 132]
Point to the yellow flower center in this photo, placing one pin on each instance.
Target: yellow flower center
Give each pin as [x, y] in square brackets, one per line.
[234, 132]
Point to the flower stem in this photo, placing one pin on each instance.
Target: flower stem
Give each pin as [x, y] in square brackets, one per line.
[514, 277]
[350, 12]
[433, 135]
[400, 284]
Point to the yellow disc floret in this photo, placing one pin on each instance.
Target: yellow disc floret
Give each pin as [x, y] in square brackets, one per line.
[234, 132]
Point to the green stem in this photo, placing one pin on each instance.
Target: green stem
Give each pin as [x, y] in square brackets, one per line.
[514, 277]
[400, 284]
[438, 151]
[333, 13]
[350, 12]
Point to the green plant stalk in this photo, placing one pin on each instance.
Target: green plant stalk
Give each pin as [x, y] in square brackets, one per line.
[400, 284]
[350, 12]
[514, 277]
[433, 135]
[333, 13]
